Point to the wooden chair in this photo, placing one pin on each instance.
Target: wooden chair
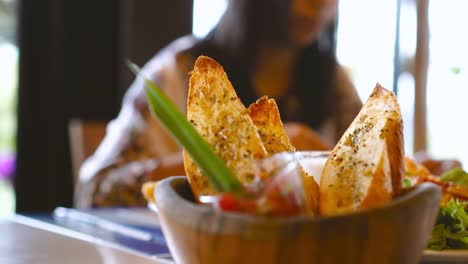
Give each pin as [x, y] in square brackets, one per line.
[85, 137]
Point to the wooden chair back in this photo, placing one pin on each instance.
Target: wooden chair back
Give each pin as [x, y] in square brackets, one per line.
[85, 137]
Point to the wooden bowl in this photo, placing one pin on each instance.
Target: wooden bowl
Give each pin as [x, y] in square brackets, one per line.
[396, 233]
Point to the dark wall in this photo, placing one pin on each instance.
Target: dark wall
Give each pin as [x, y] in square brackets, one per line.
[92, 58]
[154, 24]
[71, 65]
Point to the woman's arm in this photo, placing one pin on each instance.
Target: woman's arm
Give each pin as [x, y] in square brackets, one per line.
[120, 184]
[136, 147]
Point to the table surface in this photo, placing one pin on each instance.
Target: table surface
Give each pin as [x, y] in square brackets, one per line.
[29, 240]
[43, 239]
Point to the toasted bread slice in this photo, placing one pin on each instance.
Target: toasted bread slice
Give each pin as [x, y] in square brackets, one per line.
[366, 167]
[220, 117]
[266, 117]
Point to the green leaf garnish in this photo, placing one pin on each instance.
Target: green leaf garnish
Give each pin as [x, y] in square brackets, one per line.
[437, 241]
[211, 165]
[407, 183]
[455, 175]
[450, 230]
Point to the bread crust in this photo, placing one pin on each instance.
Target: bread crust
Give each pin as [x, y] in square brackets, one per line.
[266, 117]
[394, 137]
[217, 113]
[366, 167]
[238, 135]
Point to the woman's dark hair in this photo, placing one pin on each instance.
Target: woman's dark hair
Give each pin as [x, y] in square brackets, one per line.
[234, 44]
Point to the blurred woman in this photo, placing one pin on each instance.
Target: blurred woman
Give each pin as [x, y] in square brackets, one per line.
[284, 49]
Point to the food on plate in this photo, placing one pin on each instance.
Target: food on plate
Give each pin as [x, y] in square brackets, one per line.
[454, 183]
[247, 163]
[278, 190]
[266, 118]
[238, 135]
[219, 116]
[365, 168]
[213, 167]
[450, 230]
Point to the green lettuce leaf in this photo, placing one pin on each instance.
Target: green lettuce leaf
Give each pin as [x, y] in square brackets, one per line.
[450, 230]
[438, 238]
[408, 182]
[455, 175]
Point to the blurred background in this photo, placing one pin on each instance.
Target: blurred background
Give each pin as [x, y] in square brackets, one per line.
[64, 60]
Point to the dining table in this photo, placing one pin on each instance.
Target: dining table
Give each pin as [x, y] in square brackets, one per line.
[115, 235]
[108, 235]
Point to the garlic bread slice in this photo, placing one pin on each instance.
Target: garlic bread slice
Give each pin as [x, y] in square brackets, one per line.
[366, 167]
[266, 117]
[219, 116]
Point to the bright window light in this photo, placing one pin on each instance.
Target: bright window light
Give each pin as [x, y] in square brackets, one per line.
[206, 13]
[447, 83]
[365, 42]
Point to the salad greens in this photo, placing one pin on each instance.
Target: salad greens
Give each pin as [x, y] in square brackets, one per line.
[211, 165]
[407, 183]
[451, 228]
[457, 176]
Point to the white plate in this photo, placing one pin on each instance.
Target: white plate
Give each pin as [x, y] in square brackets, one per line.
[445, 256]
